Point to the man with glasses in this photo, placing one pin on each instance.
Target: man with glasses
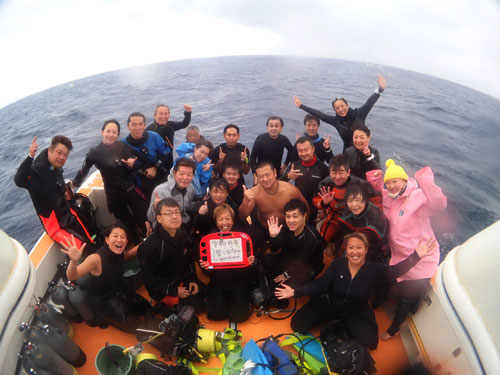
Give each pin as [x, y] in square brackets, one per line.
[346, 118]
[152, 154]
[167, 259]
[179, 188]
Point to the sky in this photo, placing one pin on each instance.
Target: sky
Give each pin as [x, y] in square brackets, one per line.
[44, 43]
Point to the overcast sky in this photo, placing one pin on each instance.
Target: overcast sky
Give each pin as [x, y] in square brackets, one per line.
[46, 43]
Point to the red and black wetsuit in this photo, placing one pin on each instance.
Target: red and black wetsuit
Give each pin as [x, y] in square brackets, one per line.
[46, 187]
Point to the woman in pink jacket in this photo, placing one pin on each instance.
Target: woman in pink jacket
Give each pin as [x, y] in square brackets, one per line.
[408, 205]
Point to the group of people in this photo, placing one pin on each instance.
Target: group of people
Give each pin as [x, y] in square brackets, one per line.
[376, 225]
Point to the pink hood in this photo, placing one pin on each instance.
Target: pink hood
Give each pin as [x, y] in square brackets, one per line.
[409, 218]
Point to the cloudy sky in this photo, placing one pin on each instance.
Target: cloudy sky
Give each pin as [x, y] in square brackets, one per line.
[44, 43]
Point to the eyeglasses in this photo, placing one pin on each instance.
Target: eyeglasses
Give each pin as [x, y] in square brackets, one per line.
[170, 213]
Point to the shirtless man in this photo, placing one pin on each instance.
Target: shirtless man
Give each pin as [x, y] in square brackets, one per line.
[269, 196]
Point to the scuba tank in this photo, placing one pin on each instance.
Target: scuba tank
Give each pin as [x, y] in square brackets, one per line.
[44, 358]
[58, 341]
[80, 301]
[59, 295]
[48, 314]
[172, 326]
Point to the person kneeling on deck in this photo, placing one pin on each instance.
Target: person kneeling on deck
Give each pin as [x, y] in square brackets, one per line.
[167, 259]
[110, 297]
[301, 256]
[342, 292]
[228, 292]
[43, 178]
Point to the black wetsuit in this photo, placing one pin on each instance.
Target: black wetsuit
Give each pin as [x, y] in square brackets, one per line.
[312, 174]
[166, 262]
[320, 151]
[371, 222]
[228, 292]
[236, 193]
[347, 298]
[46, 187]
[167, 132]
[301, 256]
[119, 183]
[231, 154]
[110, 297]
[359, 163]
[344, 125]
[205, 224]
[266, 148]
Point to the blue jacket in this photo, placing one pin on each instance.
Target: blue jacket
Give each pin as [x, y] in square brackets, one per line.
[201, 178]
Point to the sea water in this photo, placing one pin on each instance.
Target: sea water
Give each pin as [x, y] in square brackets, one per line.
[419, 120]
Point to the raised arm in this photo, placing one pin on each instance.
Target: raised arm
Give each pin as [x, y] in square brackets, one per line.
[436, 199]
[248, 203]
[366, 108]
[21, 178]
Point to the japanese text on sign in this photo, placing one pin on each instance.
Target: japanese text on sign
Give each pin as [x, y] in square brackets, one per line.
[226, 250]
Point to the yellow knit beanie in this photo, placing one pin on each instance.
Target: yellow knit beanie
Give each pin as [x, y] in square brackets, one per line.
[394, 171]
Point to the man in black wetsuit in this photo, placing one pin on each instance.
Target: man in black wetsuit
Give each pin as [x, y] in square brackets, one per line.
[231, 150]
[308, 171]
[167, 259]
[322, 147]
[166, 128]
[43, 178]
[271, 145]
[346, 118]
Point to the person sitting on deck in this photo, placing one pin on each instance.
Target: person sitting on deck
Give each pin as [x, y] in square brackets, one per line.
[43, 178]
[167, 128]
[178, 187]
[167, 259]
[204, 221]
[231, 173]
[268, 198]
[331, 196]
[322, 146]
[110, 297]
[408, 204]
[271, 145]
[346, 118]
[231, 150]
[362, 157]
[228, 292]
[301, 257]
[343, 291]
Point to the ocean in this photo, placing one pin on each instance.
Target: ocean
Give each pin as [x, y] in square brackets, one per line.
[419, 120]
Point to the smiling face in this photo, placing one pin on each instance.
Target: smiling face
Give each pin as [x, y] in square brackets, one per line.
[340, 108]
[231, 136]
[312, 128]
[58, 155]
[136, 126]
[360, 140]
[162, 114]
[356, 251]
[110, 134]
[395, 185]
[266, 176]
[218, 195]
[295, 221]
[183, 177]
[231, 175]
[201, 153]
[117, 240]
[339, 175]
[169, 218]
[305, 151]
[274, 128]
[356, 204]
[224, 221]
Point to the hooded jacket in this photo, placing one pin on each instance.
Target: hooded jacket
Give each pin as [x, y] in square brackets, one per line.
[409, 219]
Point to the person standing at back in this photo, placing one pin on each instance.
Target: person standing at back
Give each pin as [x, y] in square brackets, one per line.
[271, 145]
[167, 128]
